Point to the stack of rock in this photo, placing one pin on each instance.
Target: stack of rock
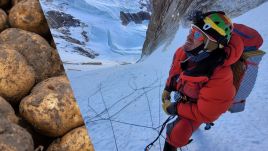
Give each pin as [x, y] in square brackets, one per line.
[38, 110]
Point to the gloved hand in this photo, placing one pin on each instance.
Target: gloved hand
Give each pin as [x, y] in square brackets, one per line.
[165, 105]
[165, 96]
[169, 107]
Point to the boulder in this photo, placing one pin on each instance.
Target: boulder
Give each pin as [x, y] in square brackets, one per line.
[39, 54]
[3, 20]
[14, 137]
[16, 76]
[7, 112]
[29, 16]
[51, 107]
[75, 140]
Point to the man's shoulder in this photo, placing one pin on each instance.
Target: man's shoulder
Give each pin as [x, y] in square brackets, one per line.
[223, 74]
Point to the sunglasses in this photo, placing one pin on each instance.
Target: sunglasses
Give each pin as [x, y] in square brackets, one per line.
[197, 34]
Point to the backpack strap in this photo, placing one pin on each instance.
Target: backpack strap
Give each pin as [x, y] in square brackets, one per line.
[238, 70]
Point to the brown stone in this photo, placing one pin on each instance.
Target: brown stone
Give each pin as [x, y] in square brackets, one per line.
[75, 140]
[28, 15]
[14, 137]
[3, 20]
[16, 76]
[39, 54]
[51, 107]
[7, 112]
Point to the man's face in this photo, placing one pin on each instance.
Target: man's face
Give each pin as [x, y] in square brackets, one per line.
[194, 39]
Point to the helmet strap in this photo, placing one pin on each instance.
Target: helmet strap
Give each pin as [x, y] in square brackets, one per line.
[210, 45]
[196, 50]
[197, 54]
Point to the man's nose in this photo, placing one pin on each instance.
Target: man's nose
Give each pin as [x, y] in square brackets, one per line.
[190, 37]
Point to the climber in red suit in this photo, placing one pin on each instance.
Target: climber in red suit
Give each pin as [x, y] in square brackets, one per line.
[201, 74]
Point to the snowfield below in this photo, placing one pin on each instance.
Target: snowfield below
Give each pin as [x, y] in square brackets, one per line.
[122, 108]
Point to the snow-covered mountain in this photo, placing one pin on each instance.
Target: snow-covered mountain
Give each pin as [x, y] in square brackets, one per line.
[89, 33]
[122, 108]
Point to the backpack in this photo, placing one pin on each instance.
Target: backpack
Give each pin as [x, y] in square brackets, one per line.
[246, 68]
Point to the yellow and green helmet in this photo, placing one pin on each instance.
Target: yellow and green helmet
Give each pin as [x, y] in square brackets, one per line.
[215, 24]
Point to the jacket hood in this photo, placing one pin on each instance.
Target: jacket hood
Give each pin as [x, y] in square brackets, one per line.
[234, 50]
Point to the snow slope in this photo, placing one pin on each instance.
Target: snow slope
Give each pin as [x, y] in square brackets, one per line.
[100, 30]
[122, 108]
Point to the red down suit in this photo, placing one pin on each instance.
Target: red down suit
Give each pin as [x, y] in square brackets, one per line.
[214, 95]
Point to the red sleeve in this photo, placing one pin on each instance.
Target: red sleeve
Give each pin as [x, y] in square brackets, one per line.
[215, 98]
[175, 69]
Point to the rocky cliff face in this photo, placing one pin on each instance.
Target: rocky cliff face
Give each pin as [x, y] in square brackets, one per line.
[168, 15]
[164, 20]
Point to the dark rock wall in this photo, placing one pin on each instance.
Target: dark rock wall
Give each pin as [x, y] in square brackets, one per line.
[164, 20]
